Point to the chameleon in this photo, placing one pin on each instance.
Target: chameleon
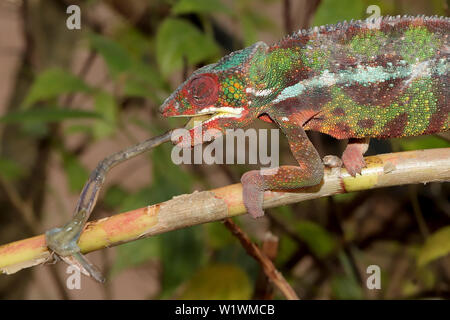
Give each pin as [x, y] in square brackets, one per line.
[377, 78]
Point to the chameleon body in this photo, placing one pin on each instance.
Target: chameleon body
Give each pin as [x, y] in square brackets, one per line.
[380, 78]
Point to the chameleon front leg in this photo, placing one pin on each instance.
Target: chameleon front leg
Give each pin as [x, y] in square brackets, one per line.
[308, 173]
[63, 241]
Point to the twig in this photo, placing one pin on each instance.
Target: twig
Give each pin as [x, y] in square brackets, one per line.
[309, 10]
[287, 20]
[201, 207]
[418, 212]
[22, 207]
[263, 286]
[269, 269]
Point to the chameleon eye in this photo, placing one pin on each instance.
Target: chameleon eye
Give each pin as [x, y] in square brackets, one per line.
[203, 90]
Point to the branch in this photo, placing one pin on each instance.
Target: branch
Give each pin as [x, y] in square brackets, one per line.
[183, 211]
[263, 286]
[268, 267]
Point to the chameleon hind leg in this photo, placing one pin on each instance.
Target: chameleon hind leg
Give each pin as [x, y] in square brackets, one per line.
[63, 241]
[308, 173]
[352, 157]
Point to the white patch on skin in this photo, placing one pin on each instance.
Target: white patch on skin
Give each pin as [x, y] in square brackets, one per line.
[226, 110]
[259, 93]
[216, 113]
[327, 78]
[418, 70]
[364, 75]
[265, 92]
[223, 115]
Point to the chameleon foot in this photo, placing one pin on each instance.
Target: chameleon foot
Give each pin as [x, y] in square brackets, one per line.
[63, 242]
[353, 155]
[253, 193]
[332, 161]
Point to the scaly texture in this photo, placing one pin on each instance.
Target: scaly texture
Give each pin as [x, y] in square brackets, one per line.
[382, 78]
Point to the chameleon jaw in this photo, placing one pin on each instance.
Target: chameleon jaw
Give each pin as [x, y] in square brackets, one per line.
[211, 113]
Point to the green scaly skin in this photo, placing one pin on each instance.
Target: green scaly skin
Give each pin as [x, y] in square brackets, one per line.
[381, 78]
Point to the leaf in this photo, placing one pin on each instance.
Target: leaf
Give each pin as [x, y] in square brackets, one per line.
[45, 115]
[316, 237]
[77, 128]
[200, 6]
[252, 23]
[178, 38]
[140, 77]
[133, 40]
[169, 178]
[136, 88]
[116, 57]
[333, 11]
[236, 254]
[148, 75]
[286, 249]
[144, 81]
[135, 253]
[182, 252]
[137, 199]
[424, 142]
[249, 30]
[77, 174]
[53, 82]
[114, 196]
[106, 106]
[10, 170]
[345, 288]
[218, 282]
[218, 235]
[436, 246]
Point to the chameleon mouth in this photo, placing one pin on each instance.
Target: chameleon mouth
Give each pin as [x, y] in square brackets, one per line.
[211, 113]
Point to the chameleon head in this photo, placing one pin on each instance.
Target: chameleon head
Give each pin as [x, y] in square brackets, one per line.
[215, 97]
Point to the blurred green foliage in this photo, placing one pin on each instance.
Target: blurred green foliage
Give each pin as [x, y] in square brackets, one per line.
[218, 281]
[178, 39]
[436, 246]
[52, 83]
